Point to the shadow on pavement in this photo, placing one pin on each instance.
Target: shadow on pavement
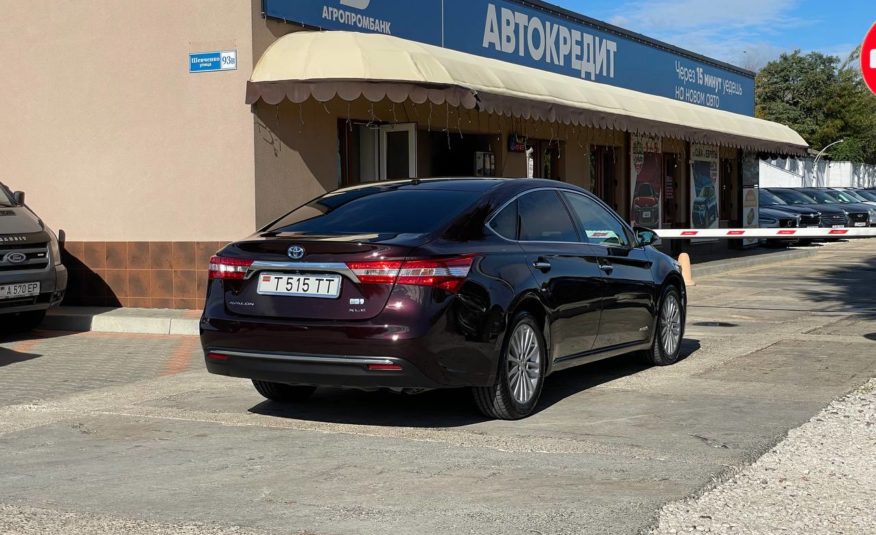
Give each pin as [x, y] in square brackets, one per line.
[8, 356]
[448, 407]
[37, 334]
[850, 285]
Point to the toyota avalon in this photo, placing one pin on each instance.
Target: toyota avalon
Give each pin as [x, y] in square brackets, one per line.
[490, 284]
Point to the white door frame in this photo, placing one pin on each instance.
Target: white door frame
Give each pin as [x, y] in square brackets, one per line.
[411, 129]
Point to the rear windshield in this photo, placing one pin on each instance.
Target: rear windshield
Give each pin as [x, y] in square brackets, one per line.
[378, 209]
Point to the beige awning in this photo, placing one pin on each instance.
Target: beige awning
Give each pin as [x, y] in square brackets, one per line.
[350, 65]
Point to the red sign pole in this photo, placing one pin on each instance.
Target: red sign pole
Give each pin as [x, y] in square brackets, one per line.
[868, 59]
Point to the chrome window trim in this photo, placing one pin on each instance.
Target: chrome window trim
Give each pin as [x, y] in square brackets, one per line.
[516, 197]
[326, 267]
[599, 201]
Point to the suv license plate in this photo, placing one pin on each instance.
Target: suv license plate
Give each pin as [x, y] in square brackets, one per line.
[860, 224]
[303, 285]
[24, 289]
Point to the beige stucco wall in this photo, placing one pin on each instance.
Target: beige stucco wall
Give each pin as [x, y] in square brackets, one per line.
[107, 132]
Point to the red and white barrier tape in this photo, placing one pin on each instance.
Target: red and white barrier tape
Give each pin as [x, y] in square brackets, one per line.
[782, 233]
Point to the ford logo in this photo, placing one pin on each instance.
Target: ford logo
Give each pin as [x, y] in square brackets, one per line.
[296, 252]
[14, 258]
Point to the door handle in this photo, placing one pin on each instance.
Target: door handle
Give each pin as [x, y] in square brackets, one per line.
[542, 265]
[606, 267]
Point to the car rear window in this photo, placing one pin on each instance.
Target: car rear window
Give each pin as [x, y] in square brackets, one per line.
[377, 209]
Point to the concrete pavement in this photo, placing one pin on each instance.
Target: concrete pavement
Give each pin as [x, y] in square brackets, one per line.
[168, 448]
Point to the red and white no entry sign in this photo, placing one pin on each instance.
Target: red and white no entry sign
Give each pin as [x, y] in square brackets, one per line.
[868, 58]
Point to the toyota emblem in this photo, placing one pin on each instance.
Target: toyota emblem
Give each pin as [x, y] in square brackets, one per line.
[296, 252]
[15, 258]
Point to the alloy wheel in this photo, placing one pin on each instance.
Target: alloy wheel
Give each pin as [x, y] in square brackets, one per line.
[670, 324]
[524, 364]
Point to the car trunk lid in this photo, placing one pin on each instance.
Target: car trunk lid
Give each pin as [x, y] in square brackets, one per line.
[295, 261]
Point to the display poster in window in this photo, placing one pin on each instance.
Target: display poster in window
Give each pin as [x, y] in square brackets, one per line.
[750, 182]
[749, 213]
[705, 185]
[646, 158]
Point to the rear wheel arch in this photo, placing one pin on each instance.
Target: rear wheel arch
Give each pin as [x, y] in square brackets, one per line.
[531, 304]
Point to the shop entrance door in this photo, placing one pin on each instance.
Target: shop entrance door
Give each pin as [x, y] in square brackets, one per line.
[398, 151]
[671, 189]
[603, 179]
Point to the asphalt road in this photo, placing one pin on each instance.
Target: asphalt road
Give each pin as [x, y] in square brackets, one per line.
[104, 433]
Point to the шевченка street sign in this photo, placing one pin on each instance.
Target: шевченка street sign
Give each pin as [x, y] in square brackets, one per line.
[220, 60]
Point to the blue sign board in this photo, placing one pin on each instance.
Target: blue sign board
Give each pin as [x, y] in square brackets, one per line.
[527, 35]
[221, 60]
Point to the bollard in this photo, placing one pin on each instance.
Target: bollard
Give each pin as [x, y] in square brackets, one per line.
[684, 262]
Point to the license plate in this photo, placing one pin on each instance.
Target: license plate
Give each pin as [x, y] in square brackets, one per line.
[860, 224]
[301, 285]
[812, 226]
[838, 226]
[24, 289]
[646, 214]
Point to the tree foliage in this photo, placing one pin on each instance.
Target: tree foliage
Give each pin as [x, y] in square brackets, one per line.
[824, 99]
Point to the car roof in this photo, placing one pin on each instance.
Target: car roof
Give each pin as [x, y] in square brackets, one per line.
[515, 185]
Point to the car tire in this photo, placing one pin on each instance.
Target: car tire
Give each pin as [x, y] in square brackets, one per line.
[669, 329]
[25, 321]
[520, 377]
[283, 393]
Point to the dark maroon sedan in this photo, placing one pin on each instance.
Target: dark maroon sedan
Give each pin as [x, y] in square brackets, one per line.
[491, 284]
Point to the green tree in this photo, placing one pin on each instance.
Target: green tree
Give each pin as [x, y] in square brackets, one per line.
[822, 98]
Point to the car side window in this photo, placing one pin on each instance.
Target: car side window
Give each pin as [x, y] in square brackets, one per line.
[505, 222]
[597, 223]
[543, 217]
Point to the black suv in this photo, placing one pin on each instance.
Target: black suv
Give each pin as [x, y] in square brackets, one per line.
[32, 278]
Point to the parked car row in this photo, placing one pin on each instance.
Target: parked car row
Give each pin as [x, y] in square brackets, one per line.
[817, 207]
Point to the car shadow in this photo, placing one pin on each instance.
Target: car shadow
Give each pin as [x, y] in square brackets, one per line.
[7, 337]
[10, 356]
[447, 407]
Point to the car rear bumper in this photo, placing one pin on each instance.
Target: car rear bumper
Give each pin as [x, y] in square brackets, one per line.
[324, 370]
[430, 355]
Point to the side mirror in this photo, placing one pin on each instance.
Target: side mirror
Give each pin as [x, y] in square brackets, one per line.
[18, 197]
[647, 236]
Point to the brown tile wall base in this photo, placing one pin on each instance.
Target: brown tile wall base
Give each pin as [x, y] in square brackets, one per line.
[138, 274]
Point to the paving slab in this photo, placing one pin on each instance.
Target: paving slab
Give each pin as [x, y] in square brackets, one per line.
[119, 429]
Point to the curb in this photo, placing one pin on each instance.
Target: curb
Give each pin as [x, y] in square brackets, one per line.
[82, 319]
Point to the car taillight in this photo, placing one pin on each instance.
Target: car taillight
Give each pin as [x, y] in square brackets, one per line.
[378, 272]
[229, 268]
[444, 273]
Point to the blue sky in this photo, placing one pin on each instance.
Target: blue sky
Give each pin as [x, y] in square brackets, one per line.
[748, 33]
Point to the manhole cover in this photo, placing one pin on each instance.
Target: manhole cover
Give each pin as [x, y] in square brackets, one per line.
[714, 324]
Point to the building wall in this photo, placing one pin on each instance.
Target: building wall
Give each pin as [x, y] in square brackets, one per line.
[797, 172]
[119, 147]
[100, 116]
